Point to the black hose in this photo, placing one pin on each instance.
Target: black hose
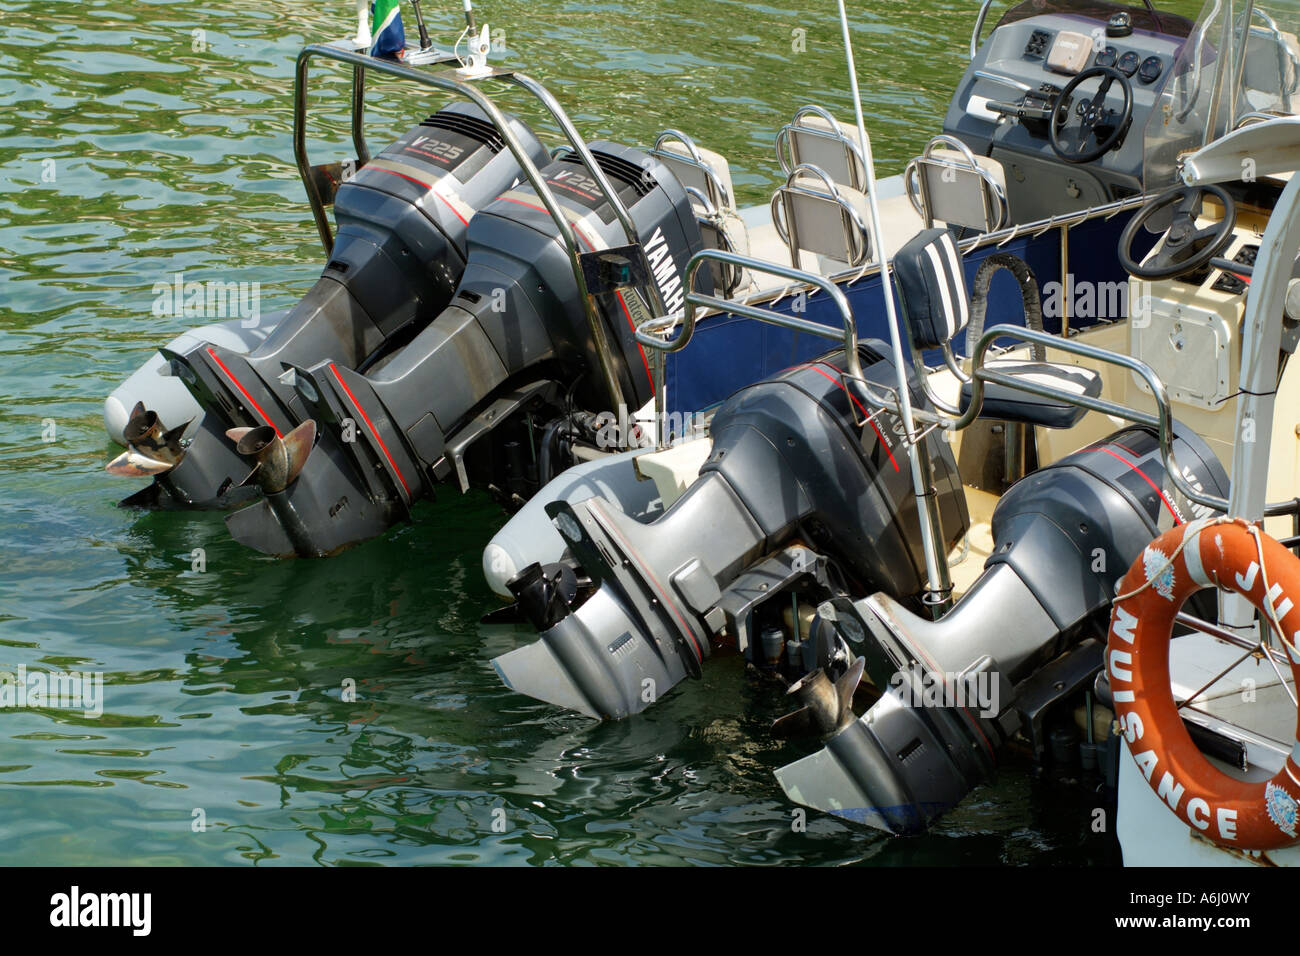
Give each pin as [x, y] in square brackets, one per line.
[979, 299]
[544, 457]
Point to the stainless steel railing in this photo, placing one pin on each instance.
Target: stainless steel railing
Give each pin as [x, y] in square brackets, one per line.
[1000, 237]
[651, 333]
[1162, 421]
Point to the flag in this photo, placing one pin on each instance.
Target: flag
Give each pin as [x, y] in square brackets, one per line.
[386, 27]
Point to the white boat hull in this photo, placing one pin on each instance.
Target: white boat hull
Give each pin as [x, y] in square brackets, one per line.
[167, 395]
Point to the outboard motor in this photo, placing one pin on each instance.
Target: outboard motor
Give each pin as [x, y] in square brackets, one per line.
[399, 253]
[515, 339]
[798, 499]
[1026, 636]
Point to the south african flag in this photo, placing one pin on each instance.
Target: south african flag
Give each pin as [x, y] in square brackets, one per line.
[386, 26]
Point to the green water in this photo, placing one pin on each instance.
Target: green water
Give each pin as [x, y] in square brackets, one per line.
[223, 687]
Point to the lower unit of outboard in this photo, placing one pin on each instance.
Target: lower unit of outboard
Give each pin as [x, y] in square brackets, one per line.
[468, 396]
[398, 256]
[800, 498]
[1025, 639]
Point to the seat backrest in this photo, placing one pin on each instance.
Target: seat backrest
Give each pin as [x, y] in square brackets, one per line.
[1271, 73]
[696, 167]
[706, 177]
[948, 183]
[816, 138]
[932, 288]
[722, 229]
[813, 214]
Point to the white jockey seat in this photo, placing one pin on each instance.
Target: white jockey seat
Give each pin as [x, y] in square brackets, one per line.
[948, 183]
[706, 176]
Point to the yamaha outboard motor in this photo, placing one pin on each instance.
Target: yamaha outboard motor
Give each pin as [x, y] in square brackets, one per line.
[514, 340]
[397, 258]
[799, 500]
[1028, 635]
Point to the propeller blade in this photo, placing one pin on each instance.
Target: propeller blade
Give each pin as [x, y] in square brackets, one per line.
[799, 723]
[133, 464]
[827, 707]
[251, 477]
[299, 443]
[278, 460]
[844, 688]
[173, 435]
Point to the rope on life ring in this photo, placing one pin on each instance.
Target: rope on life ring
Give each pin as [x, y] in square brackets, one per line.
[1233, 555]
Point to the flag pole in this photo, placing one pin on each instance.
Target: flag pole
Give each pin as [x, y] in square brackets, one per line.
[419, 22]
[936, 562]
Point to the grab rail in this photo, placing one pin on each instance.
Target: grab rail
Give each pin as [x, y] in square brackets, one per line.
[449, 80]
[979, 26]
[745, 306]
[999, 237]
[1163, 421]
[645, 333]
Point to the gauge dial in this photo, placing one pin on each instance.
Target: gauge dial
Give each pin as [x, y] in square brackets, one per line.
[1150, 69]
[1128, 63]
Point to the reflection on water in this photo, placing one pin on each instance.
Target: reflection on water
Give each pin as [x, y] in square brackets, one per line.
[345, 711]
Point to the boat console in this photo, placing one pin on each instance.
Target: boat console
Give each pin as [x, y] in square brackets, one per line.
[1060, 94]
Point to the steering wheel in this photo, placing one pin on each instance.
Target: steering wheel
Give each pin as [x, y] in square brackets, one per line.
[1092, 115]
[1186, 247]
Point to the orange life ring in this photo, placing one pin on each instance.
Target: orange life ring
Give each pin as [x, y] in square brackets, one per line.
[1234, 556]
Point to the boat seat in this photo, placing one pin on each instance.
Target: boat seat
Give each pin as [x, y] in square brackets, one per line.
[706, 176]
[1014, 405]
[1271, 78]
[932, 290]
[696, 167]
[815, 216]
[952, 185]
[816, 138]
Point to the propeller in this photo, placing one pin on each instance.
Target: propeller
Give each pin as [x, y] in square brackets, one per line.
[277, 461]
[151, 447]
[827, 706]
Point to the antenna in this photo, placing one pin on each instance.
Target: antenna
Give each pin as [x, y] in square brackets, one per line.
[936, 563]
[469, 17]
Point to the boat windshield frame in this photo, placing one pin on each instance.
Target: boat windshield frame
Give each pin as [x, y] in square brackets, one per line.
[1168, 24]
[1220, 80]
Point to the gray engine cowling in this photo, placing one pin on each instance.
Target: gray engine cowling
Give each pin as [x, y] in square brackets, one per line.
[795, 490]
[399, 252]
[514, 335]
[959, 687]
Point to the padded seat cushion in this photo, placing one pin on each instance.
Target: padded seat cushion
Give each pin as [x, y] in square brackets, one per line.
[1013, 405]
[932, 287]
[688, 174]
[820, 222]
[828, 155]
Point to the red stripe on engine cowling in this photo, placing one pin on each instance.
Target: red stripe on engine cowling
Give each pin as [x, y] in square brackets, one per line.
[243, 391]
[366, 418]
